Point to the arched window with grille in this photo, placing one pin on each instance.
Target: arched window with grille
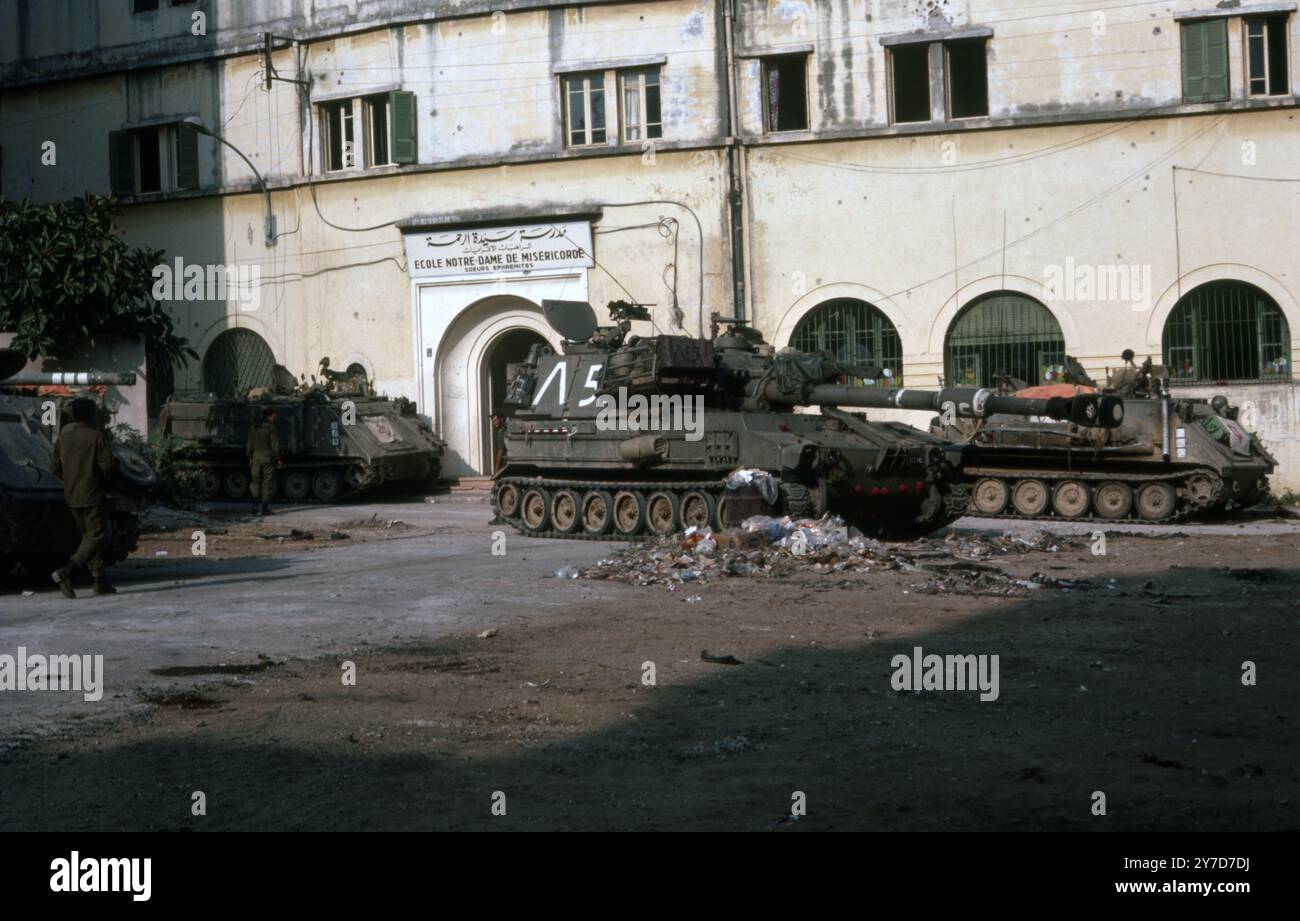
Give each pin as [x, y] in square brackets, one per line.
[236, 361]
[853, 331]
[1226, 331]
[1004, 334]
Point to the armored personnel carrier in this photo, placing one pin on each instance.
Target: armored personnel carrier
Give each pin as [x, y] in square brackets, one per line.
[36, 529]
[336, 437]
[1172, 458]
[624, 436]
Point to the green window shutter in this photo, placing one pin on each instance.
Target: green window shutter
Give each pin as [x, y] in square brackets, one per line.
[1205, 61]
[187, 157]
[1216, 60]
[121, 162]
[402, 107]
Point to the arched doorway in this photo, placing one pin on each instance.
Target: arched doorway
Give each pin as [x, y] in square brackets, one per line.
[1226, 331]
[470, 374]
[1003, 334]
[508, 348]
[852, 331]
[237, 360]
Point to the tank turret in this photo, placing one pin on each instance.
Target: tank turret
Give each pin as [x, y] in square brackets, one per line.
[626, 435]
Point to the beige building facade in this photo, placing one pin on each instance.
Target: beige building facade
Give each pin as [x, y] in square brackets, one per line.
[957, 190]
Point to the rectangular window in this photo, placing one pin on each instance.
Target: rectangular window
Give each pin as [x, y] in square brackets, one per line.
[966, 75]
[1205, 61]
[642, 112]
[584, 109]
[340, 139]
[143, 6]
[785, 83]
[377, 121]
[911, 79]
[148, 160]
[1266, 56]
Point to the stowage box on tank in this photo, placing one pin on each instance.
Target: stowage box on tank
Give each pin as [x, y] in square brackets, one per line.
[1172, 458]
[334, 439]
[586, 458]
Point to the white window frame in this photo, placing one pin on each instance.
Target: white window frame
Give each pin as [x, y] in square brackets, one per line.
[642, 126]
[1263, 23]
[589, 79]
[349, 109]
[368, 104]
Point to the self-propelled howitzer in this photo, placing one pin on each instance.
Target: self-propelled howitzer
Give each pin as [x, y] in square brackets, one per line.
[622, 436]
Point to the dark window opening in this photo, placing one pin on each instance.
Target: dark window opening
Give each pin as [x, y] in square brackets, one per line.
[855, 332]
[377, 111]
[149, 175]
[786, 81]
[968, 79]
[143, 6]
[1004, 335]
[585, 109]
[340, 142]
[1227, 331]
[911, 83]
[1266, 56]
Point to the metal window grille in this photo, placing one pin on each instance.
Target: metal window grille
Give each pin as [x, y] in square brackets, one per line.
[853, 331]
[1227, 331]
[1004, 335]
[236, 361]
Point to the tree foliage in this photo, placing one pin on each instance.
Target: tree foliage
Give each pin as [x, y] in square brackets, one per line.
[67, 277]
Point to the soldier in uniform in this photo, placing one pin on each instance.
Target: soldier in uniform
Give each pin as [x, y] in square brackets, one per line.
[263, 458]
[84, 461]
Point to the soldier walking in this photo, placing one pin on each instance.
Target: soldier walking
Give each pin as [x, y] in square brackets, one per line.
[263, 458]
[84, 462]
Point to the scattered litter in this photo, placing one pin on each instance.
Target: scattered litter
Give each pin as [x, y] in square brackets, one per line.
[488, 634]
[340, 535]
[160, 553]
[28, 594]
[291, 534]
[767, 547]
[567, 572]
[693, 599]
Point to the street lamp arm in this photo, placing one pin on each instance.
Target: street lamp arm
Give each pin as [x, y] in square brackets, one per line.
[199, 127]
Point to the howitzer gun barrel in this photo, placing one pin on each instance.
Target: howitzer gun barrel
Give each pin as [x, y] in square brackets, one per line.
[73, 378]
[1087, 409]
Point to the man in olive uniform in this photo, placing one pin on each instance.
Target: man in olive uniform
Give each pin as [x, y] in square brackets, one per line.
[84, 461]
[263, 458]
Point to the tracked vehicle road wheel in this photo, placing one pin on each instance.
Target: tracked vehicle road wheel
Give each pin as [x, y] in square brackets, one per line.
[295, 485]
[1156, 501]
[1071, 499]
[1202, 490]
[698, 509]
[1030, 498]
[207, 483]
[535, 509]
[597, 512]
[564, 511]
[1113, 500]
[326, 484]
[629, 512]
[990, 496]
[235, 484]
[507, 499]
[662, 512]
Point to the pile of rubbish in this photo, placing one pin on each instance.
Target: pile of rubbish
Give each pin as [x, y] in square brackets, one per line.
[765, 547]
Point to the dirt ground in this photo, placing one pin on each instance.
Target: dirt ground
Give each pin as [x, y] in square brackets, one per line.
[1132, 688]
